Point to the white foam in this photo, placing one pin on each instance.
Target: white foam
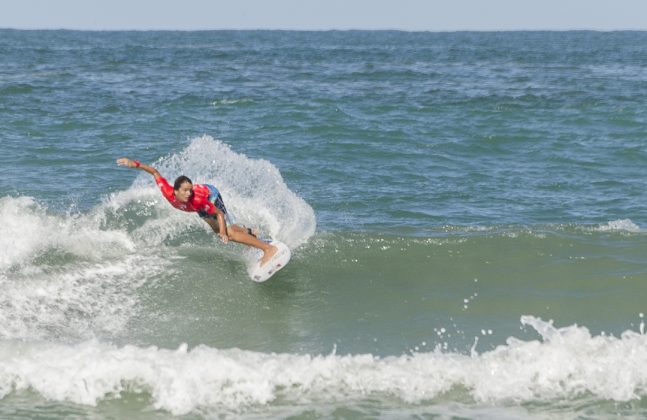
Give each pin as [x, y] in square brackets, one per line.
[26, 231]
[79, 302]
[625, 225]
[63, 275]
[569, 363]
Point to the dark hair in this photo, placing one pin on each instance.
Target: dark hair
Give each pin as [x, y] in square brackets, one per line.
[181, 180]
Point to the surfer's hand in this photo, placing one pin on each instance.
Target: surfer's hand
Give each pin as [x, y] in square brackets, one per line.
[224, 237]
[126, 162]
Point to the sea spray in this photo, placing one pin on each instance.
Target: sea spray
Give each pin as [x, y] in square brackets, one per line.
[253, 189]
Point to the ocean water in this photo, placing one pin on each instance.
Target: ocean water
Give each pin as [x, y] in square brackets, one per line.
[467, 214]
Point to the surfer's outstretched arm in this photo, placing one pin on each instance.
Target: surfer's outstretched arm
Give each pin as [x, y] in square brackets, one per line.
[138, 165]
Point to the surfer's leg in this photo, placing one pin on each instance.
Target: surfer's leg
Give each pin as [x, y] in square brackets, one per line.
[217, 200]
[241, 236]
[244, 229]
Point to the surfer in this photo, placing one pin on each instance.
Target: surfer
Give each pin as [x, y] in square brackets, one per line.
[206, 200]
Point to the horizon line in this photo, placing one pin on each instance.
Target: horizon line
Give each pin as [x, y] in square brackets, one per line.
[320, 29]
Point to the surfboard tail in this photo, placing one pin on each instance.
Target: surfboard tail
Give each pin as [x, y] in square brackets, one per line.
[261, 273]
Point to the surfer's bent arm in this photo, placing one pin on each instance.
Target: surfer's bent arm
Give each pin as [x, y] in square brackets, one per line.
[218, 225]
[138, 165]
[222, 227]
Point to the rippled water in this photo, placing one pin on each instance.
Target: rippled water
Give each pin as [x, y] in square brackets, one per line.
[466, 213]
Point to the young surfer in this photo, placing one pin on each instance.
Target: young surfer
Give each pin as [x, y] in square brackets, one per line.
[207, 202]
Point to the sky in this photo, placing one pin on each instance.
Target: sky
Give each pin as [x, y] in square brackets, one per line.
[408, 15]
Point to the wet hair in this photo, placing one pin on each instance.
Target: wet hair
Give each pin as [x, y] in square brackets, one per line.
[181, 180]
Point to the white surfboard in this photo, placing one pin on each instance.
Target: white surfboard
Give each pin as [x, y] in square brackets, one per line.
[260, 273]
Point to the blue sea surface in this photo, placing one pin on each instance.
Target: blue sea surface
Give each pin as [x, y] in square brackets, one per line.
[466, 213]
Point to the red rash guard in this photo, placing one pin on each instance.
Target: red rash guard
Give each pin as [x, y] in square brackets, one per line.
[199, 201]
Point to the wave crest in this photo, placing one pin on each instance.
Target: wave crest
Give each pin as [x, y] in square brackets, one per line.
[568, 364]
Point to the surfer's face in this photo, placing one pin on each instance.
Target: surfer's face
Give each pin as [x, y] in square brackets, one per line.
[184, 192]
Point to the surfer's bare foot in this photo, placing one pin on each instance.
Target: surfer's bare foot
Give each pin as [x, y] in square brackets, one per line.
[268, 254]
